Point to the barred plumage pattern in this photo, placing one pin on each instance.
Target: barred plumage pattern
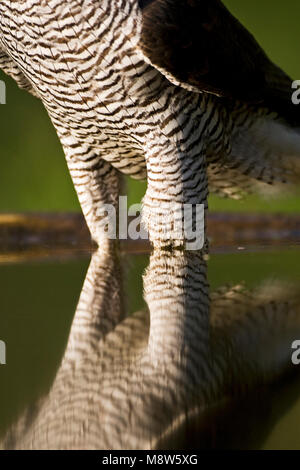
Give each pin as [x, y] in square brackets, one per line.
[113, 110]
[131, 383]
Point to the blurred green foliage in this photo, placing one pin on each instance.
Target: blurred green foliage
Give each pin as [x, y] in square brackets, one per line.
[34, 174]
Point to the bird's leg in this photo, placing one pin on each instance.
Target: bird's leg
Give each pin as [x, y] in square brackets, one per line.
[176, 196]
[100, 307]
[97, 185]
[177, 293]
[11, 69]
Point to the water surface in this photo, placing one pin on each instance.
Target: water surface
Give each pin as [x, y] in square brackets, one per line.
[214, 373]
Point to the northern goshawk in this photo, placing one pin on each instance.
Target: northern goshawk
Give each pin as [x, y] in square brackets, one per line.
[175, 91]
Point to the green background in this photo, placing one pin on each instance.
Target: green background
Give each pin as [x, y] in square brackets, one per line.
[34, 175]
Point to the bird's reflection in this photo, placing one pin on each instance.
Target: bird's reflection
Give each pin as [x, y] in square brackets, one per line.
[190, 372]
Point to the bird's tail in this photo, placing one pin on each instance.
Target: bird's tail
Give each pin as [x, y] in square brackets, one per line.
[264, 156]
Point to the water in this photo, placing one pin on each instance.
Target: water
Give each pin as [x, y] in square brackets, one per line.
[215, 373]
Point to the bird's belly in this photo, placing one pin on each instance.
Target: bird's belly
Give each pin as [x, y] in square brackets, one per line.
[128, 162]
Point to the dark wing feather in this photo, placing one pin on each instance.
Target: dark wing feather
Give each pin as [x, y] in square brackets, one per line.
[199, 45]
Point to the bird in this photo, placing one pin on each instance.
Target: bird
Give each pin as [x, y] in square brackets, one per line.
[172, 375]
[176, 92]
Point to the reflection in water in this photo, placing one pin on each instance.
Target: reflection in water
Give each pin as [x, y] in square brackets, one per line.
[182, 379]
